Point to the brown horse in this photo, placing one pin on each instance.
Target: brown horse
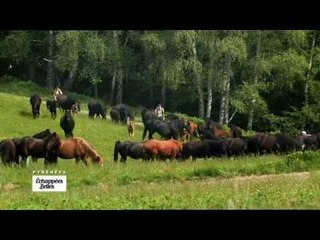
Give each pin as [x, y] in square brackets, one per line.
[194, 132]
[219, 132]
[79, 149]
[131, 128]
[163, 149]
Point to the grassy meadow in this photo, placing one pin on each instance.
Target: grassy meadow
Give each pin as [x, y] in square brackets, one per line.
[264, 182]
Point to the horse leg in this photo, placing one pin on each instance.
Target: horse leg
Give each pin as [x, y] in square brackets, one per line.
[123, 158]
[24, 161]
[83, 159]
[150, 134]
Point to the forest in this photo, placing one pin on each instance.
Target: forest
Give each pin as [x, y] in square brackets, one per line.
[261, 80]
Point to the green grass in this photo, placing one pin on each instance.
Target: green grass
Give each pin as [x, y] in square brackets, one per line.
[210, 183]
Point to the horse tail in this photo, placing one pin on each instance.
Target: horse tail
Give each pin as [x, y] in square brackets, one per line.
[116, 150]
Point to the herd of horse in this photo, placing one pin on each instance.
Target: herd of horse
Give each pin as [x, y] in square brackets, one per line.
[177, 138]
[213, 141]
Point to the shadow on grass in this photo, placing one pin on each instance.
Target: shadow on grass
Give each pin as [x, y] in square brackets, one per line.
[25, 114]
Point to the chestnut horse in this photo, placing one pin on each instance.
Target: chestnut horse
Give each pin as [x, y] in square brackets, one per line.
[79, 149]
[163, 149]
[194, 132]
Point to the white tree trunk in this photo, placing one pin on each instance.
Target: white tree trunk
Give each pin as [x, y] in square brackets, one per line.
[255, 79]
[306, 87]
[50, 61]
[209, 102]
[198, 81]
[225, 91]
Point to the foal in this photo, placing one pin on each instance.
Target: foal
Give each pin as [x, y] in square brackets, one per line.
[131, 128]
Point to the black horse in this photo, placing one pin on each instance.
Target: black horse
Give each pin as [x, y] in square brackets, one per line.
[52, 107]
[167, 129]
[124, 113]
[35, 101]
[46, 148]
[41, 135]
[147, 115]
[67, 124]
[64, 102]
[96, 109]
[127, 148]
[8, 152]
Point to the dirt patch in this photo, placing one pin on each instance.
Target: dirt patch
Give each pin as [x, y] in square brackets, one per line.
[9, 186]
[268, 177]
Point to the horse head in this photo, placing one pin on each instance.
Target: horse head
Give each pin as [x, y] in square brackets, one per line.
[53, 142]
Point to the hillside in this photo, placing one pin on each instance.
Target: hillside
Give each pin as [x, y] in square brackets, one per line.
[201, 184]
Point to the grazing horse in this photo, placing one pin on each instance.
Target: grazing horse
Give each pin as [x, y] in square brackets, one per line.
[131, 128]
[64, 102]
[79, 149]
[124, 113]
[262, 142]
[96, 109]
[194, 149]
[115, 115]
[8, 152]
[35, 101]
[167, 129]
[163, 149]
[127, 148]
[67, 124]
[39, 148]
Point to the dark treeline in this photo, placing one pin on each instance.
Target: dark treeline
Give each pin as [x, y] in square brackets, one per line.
[260, 80]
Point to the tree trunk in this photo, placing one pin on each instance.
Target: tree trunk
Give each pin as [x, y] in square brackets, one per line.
[209, 102]
[255, 80]
[198, 81]
[225, 91]
[223, 100]
[50, 77]
[306, 87]
[96, 90]
[119, 85]
[69, 83]
[31, 71]
[163, 93]
[227, 96]
[113, 84]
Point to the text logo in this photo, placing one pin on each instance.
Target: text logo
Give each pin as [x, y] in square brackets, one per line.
[53, 183]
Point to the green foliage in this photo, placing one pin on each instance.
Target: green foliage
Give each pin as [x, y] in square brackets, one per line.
[69, 47]
[15, 46]
[289, 67]
[248, 96]
[235, 46]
